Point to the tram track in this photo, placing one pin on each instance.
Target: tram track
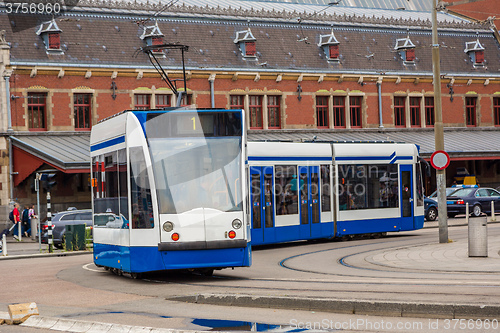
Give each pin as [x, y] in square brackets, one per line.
[345, 281]
[333, 270]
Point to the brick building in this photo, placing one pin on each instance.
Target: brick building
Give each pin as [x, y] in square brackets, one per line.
[300, 71]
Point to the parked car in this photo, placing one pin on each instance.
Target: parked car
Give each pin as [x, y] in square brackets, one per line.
[479, 200]
[430, 209]
[449, 190]
[61, 220]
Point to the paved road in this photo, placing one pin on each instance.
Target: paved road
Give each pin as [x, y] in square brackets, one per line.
[316, 278]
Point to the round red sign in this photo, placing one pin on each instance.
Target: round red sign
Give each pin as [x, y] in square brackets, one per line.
[440, 160]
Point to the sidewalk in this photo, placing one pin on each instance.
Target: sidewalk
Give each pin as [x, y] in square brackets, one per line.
[29, 248]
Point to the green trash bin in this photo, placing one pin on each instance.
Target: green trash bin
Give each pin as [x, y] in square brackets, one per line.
[79, 240]
[68, 239]
[75, 237]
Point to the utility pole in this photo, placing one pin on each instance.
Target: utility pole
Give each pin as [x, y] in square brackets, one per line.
[438, 129]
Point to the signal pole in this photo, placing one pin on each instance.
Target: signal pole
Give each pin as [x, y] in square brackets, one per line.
[50, 238]
[438, 129]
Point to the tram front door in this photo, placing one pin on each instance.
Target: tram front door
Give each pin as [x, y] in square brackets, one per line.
[309, 201]
[262, 200]
[406, 188]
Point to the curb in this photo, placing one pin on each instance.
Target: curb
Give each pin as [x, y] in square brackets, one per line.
[81, 326]
[363, 307]
[43, 255]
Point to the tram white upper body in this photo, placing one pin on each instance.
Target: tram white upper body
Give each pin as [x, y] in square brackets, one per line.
[338, 155]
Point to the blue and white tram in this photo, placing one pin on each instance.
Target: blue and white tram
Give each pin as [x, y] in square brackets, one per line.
[303, 191]
[169, 190]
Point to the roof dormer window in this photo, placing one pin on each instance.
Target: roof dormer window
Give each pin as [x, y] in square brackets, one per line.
[51, 35]
[246, 43]
[476, 52]
[250, 49]
[410, 55]
[157, 41]
[152, 35]
[330, 46]
[54, 41]
[406, 50]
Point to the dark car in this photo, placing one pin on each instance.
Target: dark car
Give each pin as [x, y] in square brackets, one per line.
[449, 190]
[61, 219]
[431, 209]
[479, 200]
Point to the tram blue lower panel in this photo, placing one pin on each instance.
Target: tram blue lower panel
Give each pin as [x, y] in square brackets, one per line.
[418, 222]
[377, 225]
[294, 233]
[326, 230]
[138, 259]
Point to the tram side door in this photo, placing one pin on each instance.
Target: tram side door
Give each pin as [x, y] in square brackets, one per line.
[309, 194]
[406, 192]
[262, 200]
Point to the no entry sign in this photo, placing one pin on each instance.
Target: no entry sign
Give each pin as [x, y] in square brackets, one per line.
[440, 160]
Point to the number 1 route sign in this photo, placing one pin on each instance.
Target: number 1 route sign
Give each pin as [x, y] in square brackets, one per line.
[440, 160]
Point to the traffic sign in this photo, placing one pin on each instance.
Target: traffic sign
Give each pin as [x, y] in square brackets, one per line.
[440, 160]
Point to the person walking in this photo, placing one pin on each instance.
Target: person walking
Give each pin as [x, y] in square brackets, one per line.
[17, 220]
[25, 219]
[31, 215]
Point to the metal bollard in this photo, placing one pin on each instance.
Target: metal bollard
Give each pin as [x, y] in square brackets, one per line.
[4, 245]
[493, 217]
[467, 213]
[34, 228]
[478, 237]
[19, 231]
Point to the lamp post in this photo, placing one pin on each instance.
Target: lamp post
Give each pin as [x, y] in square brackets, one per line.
[438, 129]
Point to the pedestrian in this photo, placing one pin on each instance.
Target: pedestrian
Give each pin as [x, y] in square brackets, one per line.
[25, 219]
[17, 220]
[32, 215]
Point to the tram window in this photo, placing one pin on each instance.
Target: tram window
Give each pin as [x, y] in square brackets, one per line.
[255, 195]
[122, 183]
[420, 186]
[107, 203]
[286, 189]
[368, 186]
[96, 177]
[325, 189]
[140, 191]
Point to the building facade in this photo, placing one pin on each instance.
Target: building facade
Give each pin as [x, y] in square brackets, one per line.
[299, 71]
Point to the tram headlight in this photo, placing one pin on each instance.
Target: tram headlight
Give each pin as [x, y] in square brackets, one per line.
[237, 223]
[168, 226]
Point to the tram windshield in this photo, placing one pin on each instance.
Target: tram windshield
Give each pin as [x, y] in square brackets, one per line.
[201, 170]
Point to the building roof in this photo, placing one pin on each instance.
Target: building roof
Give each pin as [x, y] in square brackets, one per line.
[66, 151]
[479, 9]
[420, 5]
[283, 43]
